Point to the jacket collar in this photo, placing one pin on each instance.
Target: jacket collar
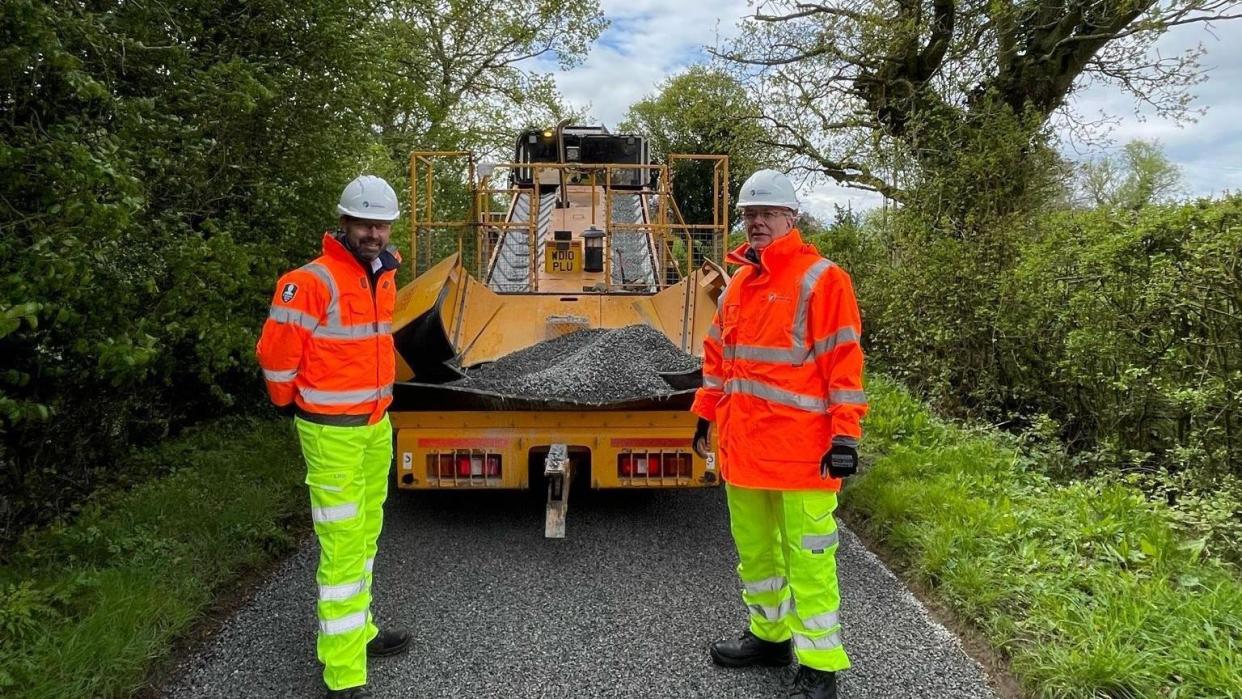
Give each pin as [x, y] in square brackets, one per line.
[774, 256]
[333, 247]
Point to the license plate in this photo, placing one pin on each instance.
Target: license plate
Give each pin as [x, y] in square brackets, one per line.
[561, 261]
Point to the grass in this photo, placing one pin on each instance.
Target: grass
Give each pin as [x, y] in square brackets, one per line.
[1089, 588]
[90, 608]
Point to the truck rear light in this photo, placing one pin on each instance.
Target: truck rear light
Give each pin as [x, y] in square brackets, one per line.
[463, 465]
[625, 465]
[654, 465]
[676, 465]
[439, 465]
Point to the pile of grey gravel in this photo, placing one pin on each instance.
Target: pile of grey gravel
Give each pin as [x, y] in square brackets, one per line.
[588, 366]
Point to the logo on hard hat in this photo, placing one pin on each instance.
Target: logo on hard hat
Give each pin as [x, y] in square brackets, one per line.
[288, 292]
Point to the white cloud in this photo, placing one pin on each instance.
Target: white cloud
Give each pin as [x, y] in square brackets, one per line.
[651, 40]
[1209, 151]
[647, 42]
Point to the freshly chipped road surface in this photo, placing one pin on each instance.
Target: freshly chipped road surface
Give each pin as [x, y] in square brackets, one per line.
[623, 607]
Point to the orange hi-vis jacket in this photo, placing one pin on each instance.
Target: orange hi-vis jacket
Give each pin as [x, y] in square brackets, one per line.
[327, 343]
[782, 367]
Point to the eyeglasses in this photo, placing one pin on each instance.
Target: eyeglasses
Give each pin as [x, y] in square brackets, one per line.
[767, 214]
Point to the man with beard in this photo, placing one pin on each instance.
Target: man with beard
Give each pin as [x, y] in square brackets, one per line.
[782, 377]
[327, 356]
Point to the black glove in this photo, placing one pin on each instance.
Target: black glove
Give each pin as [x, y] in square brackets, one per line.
[839, 462]
[701, 430]
[287, 410]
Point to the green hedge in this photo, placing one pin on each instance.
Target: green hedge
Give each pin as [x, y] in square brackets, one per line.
[157, 172]
[1118, 332]
[1089, 588]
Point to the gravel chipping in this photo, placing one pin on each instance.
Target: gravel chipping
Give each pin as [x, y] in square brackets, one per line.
[588, 366]
[623, 607]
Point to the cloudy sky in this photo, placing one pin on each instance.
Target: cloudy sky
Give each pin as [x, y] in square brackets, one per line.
[650, 40]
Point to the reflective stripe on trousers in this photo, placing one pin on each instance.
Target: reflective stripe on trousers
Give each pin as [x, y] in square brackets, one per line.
[789, 582]
[347, 475]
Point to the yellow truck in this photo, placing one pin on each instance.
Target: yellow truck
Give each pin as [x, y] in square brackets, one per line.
[580, 231]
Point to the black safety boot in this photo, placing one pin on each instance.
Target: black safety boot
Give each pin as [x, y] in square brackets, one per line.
[351, 693]
[751, 650]
[388, 643]
[814, 684]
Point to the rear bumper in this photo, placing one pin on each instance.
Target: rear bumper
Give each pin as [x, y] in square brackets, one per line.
[426, 441]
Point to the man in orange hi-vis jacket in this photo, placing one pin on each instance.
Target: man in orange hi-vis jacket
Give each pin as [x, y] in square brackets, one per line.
[782, 378]
[328, 359]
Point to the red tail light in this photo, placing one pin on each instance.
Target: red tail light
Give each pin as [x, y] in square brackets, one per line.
[654, 465]
[443, 465]
[676, 465]
[463, 465]
[625, 465]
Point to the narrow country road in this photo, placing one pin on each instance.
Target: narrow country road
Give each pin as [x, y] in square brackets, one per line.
[623, 607]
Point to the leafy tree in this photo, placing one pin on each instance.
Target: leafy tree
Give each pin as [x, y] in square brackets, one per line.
[702, 111]
[454, 72]
[949, 95]
[1139, 176]
[159, 169]
[453, 75]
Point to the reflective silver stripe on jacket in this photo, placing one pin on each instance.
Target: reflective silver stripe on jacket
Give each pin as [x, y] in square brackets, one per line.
[828, 642]
[819, 542]
[280, 376]
[809, 279]
[337, 513]
[360, 331]
[771, 355]
[334, 302]
[776, 395]
[841, 396]
[769, 612]
[336, 593]
[767, 585]
[334, 329]
[345, 624]
[844, 441]
[291, 316]
[840, 337]
[800, 350]
[794, 357]
[319, 397]
[714, 332]
[823, 622]
[370, 565]
[710, 381]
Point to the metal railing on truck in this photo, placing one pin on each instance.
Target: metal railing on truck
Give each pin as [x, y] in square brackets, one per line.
[476, 217]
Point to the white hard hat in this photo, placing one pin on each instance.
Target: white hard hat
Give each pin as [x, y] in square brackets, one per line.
[369, 197]
[768, 188]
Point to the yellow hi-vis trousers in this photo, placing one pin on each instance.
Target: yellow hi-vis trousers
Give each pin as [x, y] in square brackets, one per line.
[787, 545]
[347, 473]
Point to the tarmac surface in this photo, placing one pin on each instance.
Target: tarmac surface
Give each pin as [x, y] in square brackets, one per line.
[624, 606]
